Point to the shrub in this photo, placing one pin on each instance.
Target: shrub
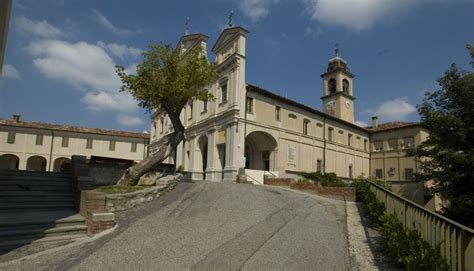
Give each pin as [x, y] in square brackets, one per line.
[325, 179]
[406, 246]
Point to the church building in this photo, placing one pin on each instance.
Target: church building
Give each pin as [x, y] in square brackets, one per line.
[253, 131]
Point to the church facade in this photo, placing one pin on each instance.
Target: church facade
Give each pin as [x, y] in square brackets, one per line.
[249, 130]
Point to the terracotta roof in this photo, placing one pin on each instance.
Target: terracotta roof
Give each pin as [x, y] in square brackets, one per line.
[69, 128]
[393, 125]
[300, 105]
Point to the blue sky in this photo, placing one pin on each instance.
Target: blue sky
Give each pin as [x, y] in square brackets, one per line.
[60, 56]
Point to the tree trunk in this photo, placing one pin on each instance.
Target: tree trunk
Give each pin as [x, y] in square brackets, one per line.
[159, 151]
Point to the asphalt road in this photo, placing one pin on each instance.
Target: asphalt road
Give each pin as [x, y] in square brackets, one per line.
[217, 226]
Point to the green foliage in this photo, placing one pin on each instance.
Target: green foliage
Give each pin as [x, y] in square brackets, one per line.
[326, 179]
[408, 248]
[168, 78]
[447, 156]
[405, 246]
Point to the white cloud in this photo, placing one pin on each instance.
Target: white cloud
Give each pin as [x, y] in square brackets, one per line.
[80, 64]
[119, 50]
[87, 67]
[113, 101]
[356, 14]
[256, 9]
[397, 109]
[41, 29]
[107, 24]
[9, 71]
[127, 120]
[361, 123]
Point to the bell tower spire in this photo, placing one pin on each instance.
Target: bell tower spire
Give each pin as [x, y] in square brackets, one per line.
[338, 98]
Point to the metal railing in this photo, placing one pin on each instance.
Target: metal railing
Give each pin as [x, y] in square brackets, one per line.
[456, 240]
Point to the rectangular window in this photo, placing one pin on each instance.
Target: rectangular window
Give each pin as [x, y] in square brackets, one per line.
[11, 137]
[319, 166]
[408, 142]
[305, 126]
[330, 131]
[277, 113]
[224, 94]
[350, 172]
[349, 139]
[134, 147]
[65, 142]
[89, 143]
[365, 144]
[154, 129]
[204, 106]
[378, 145]
[409, 174]
[379, 174]
[249, 105]
[162, 122]
[112, 145]
[190, 116]
[39, 140]
[393, 144]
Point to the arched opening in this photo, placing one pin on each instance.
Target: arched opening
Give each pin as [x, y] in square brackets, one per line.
[202, 158]
[9, 162]
[332, 86]
[345, 86]
[36, 163]
[260, 150]
[62, 164]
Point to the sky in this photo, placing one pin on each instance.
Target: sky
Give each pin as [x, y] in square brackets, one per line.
[60, 58]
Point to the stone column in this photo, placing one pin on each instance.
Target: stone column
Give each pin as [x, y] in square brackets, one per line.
[231, 168]
[212, 172]
[190, 169]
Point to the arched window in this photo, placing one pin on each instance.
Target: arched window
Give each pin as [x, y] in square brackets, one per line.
[332, 86]
[345, 86]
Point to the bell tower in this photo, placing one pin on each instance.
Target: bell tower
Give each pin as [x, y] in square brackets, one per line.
[338, 99]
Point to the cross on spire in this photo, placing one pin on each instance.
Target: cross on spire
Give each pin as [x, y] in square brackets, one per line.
[186, 26]
[336, 46]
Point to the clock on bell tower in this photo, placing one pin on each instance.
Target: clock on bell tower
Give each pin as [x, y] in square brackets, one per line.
[338, 99]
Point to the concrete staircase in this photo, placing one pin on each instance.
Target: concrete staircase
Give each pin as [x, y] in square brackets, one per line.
[37, 207]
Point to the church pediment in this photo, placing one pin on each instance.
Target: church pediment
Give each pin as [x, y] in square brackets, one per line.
[227, 36]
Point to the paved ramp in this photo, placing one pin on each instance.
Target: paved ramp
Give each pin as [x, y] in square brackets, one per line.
[218, 226]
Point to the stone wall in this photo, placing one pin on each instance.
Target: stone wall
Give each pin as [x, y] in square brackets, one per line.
[105, 174]
[121, 202]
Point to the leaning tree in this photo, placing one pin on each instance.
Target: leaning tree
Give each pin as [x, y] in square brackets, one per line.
[166, 80]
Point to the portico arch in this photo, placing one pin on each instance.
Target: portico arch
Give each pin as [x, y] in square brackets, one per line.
[61, 164]
[36, 163]
[201, 158]
[9, 162]
[260, 149]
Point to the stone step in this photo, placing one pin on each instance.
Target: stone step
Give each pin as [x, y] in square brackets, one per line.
[52, 197]
[11, 244]
[21, 207]
[55, 201]
[40, 193]
[32, 173]
[42, 183]
[39, 187]
[33, 179]
[40, 217]
[13, 233]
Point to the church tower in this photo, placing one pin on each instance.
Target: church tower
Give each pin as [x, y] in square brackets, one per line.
[338, 99]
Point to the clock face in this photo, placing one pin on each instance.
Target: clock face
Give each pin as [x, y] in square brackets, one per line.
[330, 104]
[348, 104]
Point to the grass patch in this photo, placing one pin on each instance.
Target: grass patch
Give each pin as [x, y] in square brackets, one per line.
[325, 179]
[118, 189]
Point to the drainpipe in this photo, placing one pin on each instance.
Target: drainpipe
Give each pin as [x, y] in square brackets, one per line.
[324, 150]
[51, 151]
